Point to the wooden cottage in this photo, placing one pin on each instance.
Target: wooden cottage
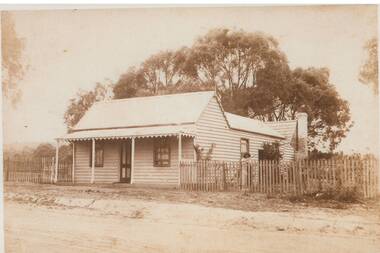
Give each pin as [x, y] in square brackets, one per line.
[142, 140]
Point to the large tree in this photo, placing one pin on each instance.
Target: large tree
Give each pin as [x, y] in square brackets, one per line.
[231, 59]
[370, 69]
[131, 84]
[305, 90]
[13, 66]
[164, 70]
[235, 62]
[162, 73]
[310, 91]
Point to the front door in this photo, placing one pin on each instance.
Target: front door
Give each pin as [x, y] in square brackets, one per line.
[125, 162]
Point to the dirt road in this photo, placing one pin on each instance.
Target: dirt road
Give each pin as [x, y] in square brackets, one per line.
[54, 222]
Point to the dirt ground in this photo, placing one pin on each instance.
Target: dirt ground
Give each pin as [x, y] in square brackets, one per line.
[46, 218]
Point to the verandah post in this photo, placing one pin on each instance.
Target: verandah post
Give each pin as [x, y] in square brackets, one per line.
[179, 156]
[132, 159]
[73, 166]
[93, 162]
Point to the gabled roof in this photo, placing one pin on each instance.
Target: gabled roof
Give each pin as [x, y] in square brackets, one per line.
[286, 127]
[163, 115]
[171, 109]
[251, 125]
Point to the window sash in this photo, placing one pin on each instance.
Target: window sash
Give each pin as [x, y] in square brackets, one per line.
[261, 154]
[161, 154]
[99, 155]
[244, 146]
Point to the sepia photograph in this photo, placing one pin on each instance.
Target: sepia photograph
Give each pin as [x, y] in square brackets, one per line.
[218, 128]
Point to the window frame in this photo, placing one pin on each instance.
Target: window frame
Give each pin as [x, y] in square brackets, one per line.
[98, 146]
[160, 144]
[247, 146]
[260, 154]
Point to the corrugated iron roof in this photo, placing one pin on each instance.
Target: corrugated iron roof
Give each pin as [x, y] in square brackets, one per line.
[139, 132]
[157, 116]
[251, 125]
[145, 111]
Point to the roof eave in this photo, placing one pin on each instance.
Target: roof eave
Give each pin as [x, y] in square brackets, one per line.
[123, 137]
[265, 134]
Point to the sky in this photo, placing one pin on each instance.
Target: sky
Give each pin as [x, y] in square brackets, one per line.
[69, 50]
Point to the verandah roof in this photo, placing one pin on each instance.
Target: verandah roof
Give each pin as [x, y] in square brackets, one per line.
[138, 132]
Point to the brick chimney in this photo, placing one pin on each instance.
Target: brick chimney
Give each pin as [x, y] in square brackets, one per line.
[302, 151]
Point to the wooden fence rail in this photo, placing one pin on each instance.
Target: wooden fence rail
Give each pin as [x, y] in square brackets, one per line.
[293, 177]
[36, 170]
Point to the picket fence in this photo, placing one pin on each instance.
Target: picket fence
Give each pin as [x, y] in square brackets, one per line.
[293, 177]
[40, 170]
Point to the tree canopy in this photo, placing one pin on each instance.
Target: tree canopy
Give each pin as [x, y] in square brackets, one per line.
[251, 75]
[12, 47]
[231, 60]
[370, 69]
[83, 101]
[328, 114]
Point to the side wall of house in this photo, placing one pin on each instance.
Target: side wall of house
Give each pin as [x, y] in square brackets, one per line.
[212, 128]
[109, 173]
[288, 129]
[286, 150]
[144, 170]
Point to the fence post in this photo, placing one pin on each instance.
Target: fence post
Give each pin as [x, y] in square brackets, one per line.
[294, 177]
[333, 167]
[377, 179]
[367, 167]
[224, 176]
[52, 170]
[7, 169]
[301, 177]
[31, 165]
[307, 167]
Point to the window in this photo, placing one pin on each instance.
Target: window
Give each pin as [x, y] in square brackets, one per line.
[261, 154]
[161, 153]
[270, 151]
[99, 154]
[244, 147]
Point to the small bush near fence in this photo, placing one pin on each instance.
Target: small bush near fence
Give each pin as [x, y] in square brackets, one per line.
[342, 177]
[36, 170]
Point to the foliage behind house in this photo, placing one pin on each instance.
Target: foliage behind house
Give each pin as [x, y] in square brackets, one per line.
[251, 75]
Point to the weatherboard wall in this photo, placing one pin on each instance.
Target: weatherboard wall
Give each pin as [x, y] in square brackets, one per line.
[212, 128]
[108, 173]
[146, 173]
[289, 130]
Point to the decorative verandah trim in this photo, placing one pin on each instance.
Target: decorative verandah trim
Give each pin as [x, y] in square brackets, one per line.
[67, 139]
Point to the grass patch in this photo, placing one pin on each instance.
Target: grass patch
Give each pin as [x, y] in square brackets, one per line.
[331, 198]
